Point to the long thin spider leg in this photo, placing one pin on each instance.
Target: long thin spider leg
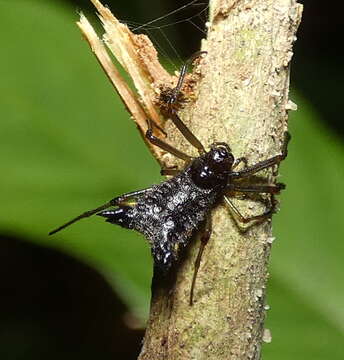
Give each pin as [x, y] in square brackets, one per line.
[189, 136]
[114, 202]
[186, 132]
[163, 145]
[258, 218]
[182, 73]
[267, 189]
[240, 160]
[81, 216]
[266, 163]
[234, 209]
[204, 240]
[172, 172]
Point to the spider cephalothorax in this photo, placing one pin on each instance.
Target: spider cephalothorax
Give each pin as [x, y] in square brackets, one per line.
[212, 169]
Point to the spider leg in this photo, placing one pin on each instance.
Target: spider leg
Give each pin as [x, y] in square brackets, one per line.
[269, 189]
[165, 146]
[114, 202]
[189, 136]
[239, 160]
[204, 240]
[258, 218]
[182, 73]
[169, 171]
[186, 132]
[266, 163]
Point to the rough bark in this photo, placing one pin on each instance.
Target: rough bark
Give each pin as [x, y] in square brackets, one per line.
[241, 99]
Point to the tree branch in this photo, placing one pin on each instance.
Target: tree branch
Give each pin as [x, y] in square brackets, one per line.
[242, 99]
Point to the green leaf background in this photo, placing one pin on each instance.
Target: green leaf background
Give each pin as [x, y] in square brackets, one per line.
[67, 145]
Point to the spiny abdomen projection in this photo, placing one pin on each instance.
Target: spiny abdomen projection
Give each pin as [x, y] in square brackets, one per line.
[167, 215]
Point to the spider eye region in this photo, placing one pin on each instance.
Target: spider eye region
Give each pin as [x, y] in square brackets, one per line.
[211, 170]
[220, 155]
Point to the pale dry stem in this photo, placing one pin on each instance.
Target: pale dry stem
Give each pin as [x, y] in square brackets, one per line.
[139, 59]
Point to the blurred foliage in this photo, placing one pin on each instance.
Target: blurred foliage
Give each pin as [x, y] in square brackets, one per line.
[67, 145]
[305, 293]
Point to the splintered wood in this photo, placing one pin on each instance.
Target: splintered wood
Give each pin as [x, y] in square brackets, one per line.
[139, 59]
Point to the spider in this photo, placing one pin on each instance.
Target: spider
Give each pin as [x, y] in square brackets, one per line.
[168, 214]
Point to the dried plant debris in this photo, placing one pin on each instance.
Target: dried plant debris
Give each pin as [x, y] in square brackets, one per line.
[138, 57]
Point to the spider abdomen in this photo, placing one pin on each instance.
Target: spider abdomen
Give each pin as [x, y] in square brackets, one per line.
[168, 215]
